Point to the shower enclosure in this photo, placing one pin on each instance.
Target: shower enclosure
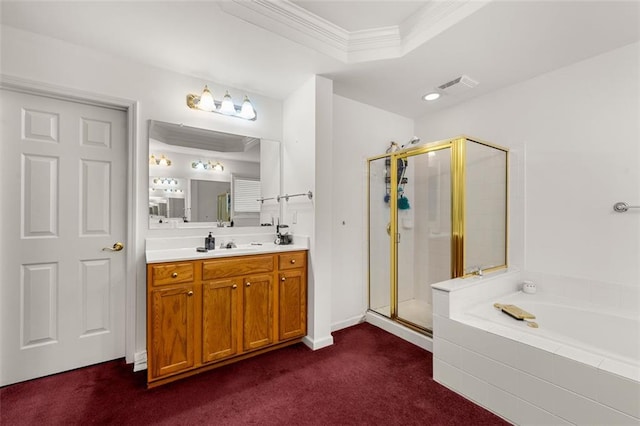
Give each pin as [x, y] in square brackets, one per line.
[436, 212]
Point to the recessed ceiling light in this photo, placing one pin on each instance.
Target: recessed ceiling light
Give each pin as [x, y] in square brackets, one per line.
[431, 96]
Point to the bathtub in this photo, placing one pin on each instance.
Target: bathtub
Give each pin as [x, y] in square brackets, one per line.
[580, 366]
[594, 330]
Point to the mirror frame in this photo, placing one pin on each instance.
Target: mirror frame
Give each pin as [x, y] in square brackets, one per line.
[174, 134]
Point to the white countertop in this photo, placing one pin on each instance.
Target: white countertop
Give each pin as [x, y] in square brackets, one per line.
[190, 253]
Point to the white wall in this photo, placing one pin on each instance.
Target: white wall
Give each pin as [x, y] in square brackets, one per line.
[574, 135]
[307, 118]
[360, 131]
[160, 94]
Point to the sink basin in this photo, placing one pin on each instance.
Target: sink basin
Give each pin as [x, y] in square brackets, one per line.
[234, 250]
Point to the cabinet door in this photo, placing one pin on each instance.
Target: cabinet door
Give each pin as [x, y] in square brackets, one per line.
[292, 304]
[257, 311]
[219, 319]
[172, 332]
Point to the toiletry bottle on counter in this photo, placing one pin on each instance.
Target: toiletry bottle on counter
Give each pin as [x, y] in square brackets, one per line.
[210, 242]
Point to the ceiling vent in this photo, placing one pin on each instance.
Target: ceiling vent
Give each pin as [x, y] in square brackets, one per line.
[458, 85]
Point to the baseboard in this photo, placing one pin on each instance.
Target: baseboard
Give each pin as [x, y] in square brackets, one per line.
[347, 323]
[140, 361]
[399, 330]
[318, 343]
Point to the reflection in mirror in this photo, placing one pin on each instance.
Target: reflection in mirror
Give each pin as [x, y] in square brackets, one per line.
[210, 177]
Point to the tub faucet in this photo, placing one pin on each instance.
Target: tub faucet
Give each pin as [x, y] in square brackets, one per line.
[476, 271]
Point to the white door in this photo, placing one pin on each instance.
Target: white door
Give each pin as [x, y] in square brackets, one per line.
[63, 173]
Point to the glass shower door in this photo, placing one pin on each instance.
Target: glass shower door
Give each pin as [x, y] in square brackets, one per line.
[379, 242]
[423, 241]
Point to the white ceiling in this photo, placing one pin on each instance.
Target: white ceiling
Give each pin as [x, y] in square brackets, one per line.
[362, 15]
[272, 48]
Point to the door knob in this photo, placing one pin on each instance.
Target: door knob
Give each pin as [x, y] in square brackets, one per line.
[190, 293]
[234, 286]
[248, 284]
[116, 247]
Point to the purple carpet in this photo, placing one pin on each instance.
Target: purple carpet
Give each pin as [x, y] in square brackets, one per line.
[368, 377]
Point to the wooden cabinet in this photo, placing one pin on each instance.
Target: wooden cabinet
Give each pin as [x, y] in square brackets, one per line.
[172, 326]
[257, 311]
[292, 321]
[205, 313]
[220, 302]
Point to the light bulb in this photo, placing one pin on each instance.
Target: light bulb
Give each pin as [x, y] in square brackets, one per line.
[227, 106]
[206, 102]
[247, 110]
[431, 96]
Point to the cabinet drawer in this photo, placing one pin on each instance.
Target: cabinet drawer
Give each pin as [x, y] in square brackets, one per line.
[173, 273]
[292, 260]
[234, 266]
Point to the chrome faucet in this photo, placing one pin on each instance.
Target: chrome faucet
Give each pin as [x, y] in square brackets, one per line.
[229, 245]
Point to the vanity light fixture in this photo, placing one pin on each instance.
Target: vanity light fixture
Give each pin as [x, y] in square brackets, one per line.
[218, 167]
[206, 102]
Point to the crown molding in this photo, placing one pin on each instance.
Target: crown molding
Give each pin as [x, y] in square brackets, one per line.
[298, 24]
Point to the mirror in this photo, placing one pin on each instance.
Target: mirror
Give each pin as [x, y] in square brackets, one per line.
[199, 176]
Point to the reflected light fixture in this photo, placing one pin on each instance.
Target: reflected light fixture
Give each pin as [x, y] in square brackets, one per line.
[162, 161]
[201, 165]
[218, 167]
[198, 165]
[206, 102]
[165, 181]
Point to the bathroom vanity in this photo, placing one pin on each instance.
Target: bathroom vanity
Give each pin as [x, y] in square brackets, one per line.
[205, 310]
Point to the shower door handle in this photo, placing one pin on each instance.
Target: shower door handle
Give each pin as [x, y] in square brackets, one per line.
[398, 238]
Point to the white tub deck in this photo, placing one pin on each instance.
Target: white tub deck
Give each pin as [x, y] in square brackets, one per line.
[524, 375]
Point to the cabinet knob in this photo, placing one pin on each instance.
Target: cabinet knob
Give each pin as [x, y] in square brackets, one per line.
[283, 279]
[234, 286]
[248, 284]
[174, 275]
[293, 261]
[190, 293]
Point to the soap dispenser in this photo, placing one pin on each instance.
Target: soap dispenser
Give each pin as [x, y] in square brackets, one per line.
[210, 242]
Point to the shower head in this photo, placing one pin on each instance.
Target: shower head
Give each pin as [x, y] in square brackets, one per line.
[414, 140]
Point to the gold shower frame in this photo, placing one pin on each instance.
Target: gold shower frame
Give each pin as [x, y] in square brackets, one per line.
[458, 225]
